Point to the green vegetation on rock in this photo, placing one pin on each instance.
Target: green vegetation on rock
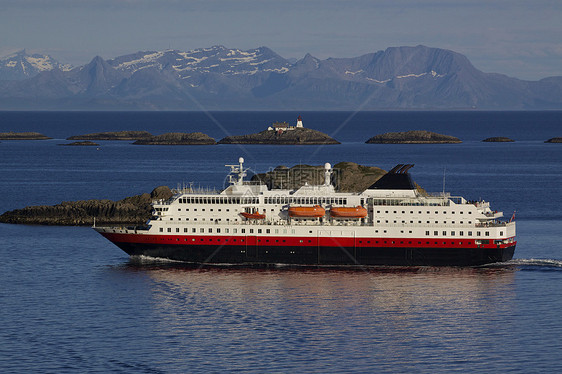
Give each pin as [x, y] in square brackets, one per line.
[113, 135]
[22, 136]
[178, 138]
[299, 136]
[412, 137]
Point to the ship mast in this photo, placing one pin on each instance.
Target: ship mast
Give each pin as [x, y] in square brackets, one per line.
[239, 170]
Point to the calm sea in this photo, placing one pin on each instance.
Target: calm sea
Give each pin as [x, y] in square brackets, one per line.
[70, 301]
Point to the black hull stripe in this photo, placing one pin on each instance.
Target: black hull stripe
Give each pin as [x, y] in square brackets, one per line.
[298, 255]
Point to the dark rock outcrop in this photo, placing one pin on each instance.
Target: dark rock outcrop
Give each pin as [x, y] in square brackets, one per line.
[299, 136]
[131, 210]
[412, 137]
[554, 140]
[85, 143]
[178, 138]
[115, 135]
[22, 136]
[347, 176]
[498, 139]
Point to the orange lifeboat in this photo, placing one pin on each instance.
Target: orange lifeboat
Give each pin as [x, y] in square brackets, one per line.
[307, 211]
[347, 212]
[255, 215]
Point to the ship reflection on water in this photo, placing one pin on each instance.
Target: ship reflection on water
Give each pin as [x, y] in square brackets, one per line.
[380, 314]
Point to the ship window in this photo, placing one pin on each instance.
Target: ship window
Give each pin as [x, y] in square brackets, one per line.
[277, 231]
[419, 221]
[461, 233]
[259, 231]
[444, 233]
[378, 211]
[487, 233]
[452, 233]
[235, 231]
[436, 233]
[171, 219]
[427, 233]
[409, 231]
[394, 212]
[461, 212]
[453, 212]
[469, 212]
[243, 231]
[267, 231]
[251, 231]
[436, 212]
[501, 233]
[194, 230]
[470, 233]
[177, 229]
[226, 231]
[201, 230]
[403, 212]
[218, 231]
[378, 221]
[169, 229]
[478, 233]
[161, 229]
[386, 211]
[461, 222]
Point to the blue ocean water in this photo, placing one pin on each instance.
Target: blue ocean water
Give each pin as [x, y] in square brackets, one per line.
[70, 301]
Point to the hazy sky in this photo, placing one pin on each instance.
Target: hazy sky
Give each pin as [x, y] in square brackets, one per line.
[520, 38]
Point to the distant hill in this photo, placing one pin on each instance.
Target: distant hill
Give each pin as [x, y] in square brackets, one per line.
[21, 65]
[218, 78]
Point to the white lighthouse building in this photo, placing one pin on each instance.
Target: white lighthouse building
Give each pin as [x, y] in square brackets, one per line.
[299, 122]
[284, 126]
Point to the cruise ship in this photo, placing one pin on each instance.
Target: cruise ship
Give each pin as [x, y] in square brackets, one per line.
[391, 223]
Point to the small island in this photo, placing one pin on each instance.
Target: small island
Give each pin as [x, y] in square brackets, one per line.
[178, 138]
[22, 136]
[131, 210]
[281, 133]
[85, 143]
[554, 140]
[115, 135]
[498, 139]
[413, 137]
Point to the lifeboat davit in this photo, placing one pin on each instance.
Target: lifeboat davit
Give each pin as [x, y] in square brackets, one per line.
[349, 212]
[255, 215]
[307, 211]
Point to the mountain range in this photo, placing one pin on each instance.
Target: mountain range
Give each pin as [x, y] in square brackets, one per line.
[219, 78]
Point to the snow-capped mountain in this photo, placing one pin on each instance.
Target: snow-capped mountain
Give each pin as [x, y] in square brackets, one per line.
[218, 78]
[22, 65]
